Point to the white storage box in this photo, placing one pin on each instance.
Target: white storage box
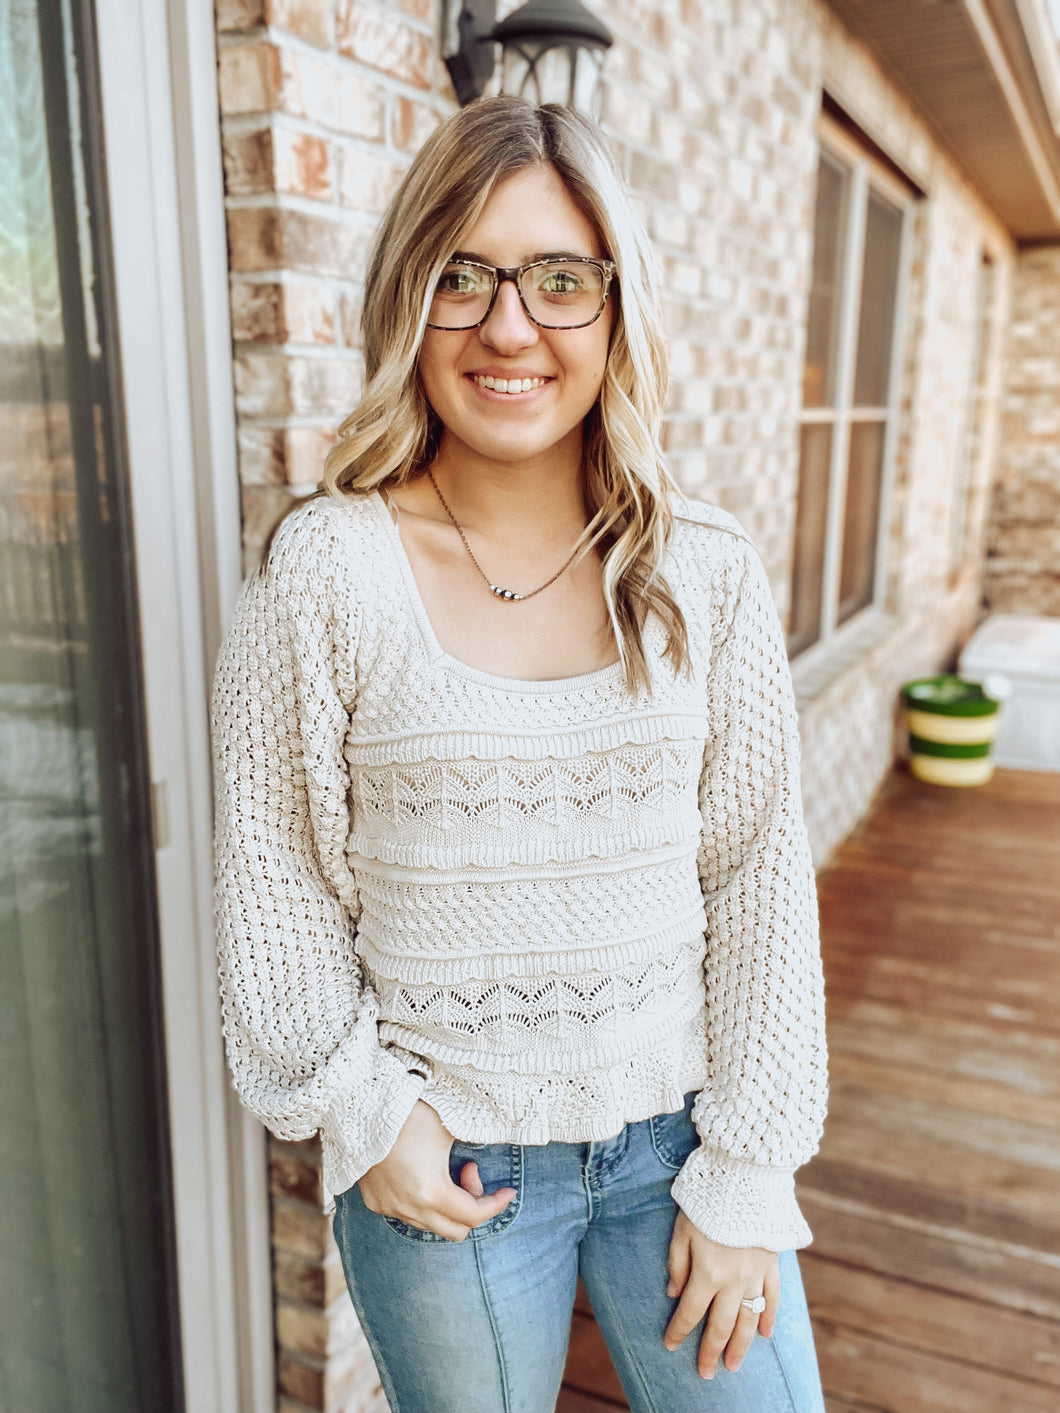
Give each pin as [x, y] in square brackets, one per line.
[1025, 651]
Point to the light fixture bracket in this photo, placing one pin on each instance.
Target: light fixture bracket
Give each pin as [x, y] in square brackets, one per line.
[471, 65]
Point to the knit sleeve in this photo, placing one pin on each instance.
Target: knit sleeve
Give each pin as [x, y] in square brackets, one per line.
[299, 1019]
[761, 1112]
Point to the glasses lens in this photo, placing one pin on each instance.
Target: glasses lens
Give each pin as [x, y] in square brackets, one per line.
[562, 294]
[461, 296]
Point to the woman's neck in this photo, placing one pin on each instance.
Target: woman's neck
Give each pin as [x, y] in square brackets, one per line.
[532, 498]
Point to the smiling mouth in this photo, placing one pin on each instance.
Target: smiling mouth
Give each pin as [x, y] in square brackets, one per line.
[507, 385]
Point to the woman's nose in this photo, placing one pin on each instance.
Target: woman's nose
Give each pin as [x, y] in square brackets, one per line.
[508, 327]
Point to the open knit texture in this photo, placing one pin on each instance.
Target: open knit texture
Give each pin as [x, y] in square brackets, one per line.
[546, 908]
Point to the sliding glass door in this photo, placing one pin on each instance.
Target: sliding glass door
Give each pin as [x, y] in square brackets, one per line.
[87, 1274]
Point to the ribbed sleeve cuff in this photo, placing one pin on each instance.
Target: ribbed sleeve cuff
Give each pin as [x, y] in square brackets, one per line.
[741, 1204]
[361, 1128]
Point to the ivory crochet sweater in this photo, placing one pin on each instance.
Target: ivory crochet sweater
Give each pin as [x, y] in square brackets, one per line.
[546, 908]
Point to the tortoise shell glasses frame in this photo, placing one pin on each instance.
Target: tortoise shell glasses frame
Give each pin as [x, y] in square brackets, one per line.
[605, 271]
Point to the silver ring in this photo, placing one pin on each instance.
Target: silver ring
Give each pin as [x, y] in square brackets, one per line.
[757, 1305]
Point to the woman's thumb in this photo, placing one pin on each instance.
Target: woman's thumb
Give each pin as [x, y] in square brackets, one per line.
[470, 1180]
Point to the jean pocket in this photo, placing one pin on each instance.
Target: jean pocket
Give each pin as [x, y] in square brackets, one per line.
[499, 1165]
[674, 1136]
[401, 1228]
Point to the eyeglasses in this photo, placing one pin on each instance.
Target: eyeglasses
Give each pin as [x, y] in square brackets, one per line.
[557, 293]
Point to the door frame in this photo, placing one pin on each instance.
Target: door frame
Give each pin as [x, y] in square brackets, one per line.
[158, 86]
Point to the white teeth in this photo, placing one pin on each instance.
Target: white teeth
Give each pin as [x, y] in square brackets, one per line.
[507, 385]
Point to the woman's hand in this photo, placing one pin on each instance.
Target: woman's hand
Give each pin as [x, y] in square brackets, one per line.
[413, 1184]
[706, 1274]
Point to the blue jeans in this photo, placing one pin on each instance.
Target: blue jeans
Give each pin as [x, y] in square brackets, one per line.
[481, 1326]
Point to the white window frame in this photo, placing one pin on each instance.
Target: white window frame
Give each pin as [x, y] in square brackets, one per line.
[866, 173]
[162, 141]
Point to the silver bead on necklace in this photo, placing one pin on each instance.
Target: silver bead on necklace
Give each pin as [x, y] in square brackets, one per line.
[509, 595]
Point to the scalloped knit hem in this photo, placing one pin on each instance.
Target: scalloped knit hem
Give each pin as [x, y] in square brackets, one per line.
[587, 1106]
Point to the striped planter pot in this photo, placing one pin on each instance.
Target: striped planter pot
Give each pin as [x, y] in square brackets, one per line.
[951, 725]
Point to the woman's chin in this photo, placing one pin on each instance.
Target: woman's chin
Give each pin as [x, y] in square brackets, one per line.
[520, 446]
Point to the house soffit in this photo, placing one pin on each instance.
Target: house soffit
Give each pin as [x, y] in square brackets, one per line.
[986, 73]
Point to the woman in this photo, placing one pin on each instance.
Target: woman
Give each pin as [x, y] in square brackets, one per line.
[516, 906]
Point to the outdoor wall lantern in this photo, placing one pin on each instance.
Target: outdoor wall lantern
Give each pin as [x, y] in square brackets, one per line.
[552, 51]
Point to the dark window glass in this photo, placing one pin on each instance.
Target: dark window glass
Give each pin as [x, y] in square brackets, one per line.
[861, 518]
[810, 522]
[879, 280]
[819, 371]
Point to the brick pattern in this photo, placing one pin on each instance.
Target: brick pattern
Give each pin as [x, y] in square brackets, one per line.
[323, 1361]
[712, 106]
[323, 103]
[1023, 553]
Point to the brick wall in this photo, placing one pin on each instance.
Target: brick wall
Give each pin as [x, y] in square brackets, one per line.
[712, 105]
[1023, 553]
[323, 104]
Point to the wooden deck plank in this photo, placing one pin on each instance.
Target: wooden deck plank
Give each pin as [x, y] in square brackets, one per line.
[941, 988]
[851, 1072]
[1000, 1054]
[934, 1211]
[946, 1124]
[867, 1132]
[922, 1317]
[573, 1401]
[856, 1364]
[950, 1258]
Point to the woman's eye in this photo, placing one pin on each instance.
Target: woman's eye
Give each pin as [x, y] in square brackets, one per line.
[458, 281]
[560, 282]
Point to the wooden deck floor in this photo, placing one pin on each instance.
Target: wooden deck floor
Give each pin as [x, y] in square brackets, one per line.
[934, 1275]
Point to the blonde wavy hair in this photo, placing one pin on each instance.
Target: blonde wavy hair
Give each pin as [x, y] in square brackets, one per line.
[393, 433]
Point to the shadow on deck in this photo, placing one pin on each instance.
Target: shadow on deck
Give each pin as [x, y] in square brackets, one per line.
[934, 1275]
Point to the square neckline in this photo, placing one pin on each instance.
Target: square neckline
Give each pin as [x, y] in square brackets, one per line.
[440, 658]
